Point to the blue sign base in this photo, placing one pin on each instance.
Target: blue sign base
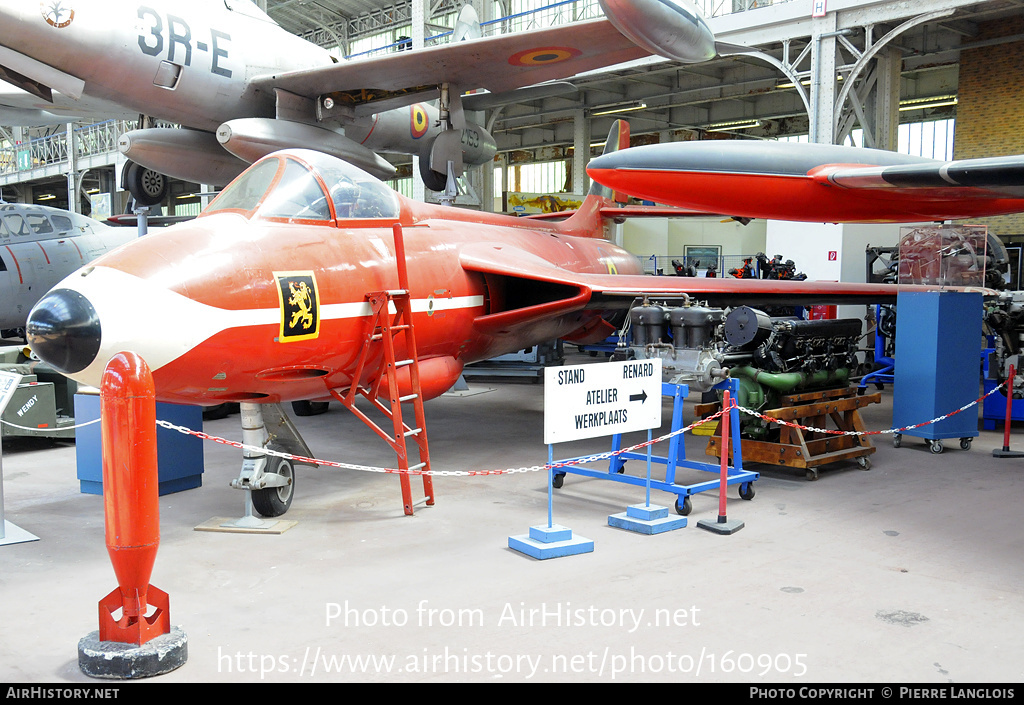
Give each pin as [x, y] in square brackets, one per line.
[646, 519]
[553, 541]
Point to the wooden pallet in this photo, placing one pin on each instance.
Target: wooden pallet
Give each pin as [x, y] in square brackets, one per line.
[800, 448]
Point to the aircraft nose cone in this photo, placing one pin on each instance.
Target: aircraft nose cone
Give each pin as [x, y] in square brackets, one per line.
[64, 330]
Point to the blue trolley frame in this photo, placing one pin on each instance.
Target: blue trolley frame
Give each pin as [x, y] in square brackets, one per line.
[676, 457]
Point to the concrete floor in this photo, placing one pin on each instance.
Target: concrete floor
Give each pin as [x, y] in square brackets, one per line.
[910, 572]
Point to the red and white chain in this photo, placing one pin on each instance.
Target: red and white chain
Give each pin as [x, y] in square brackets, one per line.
[562, 463]
[751, 412]
[433, 473]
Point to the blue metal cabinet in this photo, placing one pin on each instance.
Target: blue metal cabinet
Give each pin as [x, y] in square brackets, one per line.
[179, 457]
[938, 343]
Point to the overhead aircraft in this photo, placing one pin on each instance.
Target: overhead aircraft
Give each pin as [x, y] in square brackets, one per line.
[39, 246]
[242, 87]
[269, 295]
[813, 182]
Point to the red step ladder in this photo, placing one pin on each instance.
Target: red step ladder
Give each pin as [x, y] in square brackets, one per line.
[391, 319]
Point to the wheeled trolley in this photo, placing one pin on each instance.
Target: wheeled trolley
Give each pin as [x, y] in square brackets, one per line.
[675, 459]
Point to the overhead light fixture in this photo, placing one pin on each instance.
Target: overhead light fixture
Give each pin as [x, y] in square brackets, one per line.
[803, 82]
[46, 197]
[622, 108]
[734, 125]
[935, 101]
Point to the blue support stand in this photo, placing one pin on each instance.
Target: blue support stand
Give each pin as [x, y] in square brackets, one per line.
[939, 342]
[676, 458]
[553, 540]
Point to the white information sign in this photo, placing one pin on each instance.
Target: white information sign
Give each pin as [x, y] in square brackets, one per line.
[601, 399]
[9, 382]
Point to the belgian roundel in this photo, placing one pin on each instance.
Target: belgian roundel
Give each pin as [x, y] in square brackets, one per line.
[542, 56]
[418, 120]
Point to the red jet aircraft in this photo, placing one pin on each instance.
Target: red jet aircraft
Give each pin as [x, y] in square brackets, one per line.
[813, 182]
[272, 294]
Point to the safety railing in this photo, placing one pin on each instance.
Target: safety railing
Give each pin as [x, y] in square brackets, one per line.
[565, 12]
[90, 141]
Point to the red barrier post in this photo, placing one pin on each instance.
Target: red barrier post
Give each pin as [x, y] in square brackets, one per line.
[723, 525]
[141, 642]
[1009, 408]
[130, 499]
[1006, 452]
[724, 476]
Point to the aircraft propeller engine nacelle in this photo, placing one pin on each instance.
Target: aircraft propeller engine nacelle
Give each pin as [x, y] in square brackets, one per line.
[674, 29]
[189, 155]
[251, 139]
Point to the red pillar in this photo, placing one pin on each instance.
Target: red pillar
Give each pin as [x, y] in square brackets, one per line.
[131, 502]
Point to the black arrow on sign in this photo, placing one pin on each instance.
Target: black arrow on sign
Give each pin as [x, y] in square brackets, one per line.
[641, 397]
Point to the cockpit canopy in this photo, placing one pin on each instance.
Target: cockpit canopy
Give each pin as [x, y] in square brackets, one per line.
[305, 185]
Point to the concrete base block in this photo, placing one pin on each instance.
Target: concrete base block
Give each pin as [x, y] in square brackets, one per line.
[646, 519]
[117, 661]
[721, 525]
[554, 541]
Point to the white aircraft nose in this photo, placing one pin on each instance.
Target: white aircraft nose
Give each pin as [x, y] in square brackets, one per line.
[63, 329]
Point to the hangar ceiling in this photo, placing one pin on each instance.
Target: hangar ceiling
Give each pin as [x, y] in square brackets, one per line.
[666, 96]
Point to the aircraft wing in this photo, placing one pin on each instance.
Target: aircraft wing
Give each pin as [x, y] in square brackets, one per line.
[1003, 176]
[566, 291]
[498, 64]
[606, 290]
[19, 107]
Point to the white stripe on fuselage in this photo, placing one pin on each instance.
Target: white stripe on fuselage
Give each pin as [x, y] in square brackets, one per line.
[161, 325]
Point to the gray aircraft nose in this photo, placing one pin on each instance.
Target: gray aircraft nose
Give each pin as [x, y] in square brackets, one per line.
[64, 330]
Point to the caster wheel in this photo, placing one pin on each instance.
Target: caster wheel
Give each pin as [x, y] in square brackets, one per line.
[965, 443]
[936, 447]
[864, 462]
[811, 475]
[897, 441]
[683, 505]
[747, 490]
[557, 481]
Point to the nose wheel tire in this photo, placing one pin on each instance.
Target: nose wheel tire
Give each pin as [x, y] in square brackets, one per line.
[274, 501]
